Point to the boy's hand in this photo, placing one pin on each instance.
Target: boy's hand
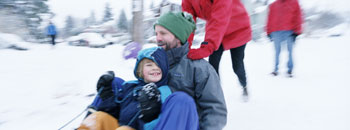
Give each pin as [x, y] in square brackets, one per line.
[150, 103]
[104, 85]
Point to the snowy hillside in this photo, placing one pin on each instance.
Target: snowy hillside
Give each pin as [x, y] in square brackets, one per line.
[45, 87]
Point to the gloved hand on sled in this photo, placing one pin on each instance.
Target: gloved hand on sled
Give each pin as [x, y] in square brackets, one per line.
[104, 85]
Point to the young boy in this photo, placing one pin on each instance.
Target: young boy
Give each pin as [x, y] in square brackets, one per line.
[137, 102]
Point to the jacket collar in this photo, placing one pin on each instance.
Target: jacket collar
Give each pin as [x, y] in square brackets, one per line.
[175, 54]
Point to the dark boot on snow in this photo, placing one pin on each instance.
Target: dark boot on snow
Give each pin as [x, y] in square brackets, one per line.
[245, 95]
[274, 73]
[289, 74]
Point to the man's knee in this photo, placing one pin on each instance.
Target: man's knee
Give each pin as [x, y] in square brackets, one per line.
[179, 100]
[181, 96]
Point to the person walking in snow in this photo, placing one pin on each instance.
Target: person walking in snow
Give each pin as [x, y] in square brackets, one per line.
[137, 103]
[284, 24]
[227, 28]
[195, 77]
[51, 32]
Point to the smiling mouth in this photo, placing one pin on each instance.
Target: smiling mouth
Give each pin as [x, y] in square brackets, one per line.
[161, 43]
[155, 74]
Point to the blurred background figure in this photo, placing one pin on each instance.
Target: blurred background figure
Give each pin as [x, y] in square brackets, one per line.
[51, 32]
[227, 28]
[283, 26]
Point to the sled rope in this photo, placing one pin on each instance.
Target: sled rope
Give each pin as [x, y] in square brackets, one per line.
[133, 118]
[133, 93]
[73, 119]
[86, 109]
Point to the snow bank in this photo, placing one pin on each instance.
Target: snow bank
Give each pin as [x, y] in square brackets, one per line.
[10, 40]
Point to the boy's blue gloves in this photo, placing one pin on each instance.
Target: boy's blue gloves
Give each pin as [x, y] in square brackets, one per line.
[104, 85]
[150, 102]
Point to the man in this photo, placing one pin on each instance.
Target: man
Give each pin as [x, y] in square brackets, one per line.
[284, 25]
[195, 77]
[227, 28]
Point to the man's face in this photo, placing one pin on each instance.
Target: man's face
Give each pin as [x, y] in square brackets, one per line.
[166, 39]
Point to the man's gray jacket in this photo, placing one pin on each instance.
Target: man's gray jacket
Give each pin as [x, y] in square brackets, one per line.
[198, 79]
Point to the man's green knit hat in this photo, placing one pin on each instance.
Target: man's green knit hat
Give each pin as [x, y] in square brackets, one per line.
[180, 24]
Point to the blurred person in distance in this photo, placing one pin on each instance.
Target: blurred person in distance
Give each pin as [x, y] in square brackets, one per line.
[284, 24]
[51, 32]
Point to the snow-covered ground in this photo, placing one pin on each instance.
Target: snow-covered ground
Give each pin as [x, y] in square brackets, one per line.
[44, 88]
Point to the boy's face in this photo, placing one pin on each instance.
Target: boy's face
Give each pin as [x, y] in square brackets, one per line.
[166, 39]
[151, 72]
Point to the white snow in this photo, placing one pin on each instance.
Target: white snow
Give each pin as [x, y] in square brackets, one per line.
[7, 40]
[260, 9]
[44, 88]
[92, 38]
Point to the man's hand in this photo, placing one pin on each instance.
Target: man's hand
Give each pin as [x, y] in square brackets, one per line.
[104, 85]
[294, 36]
[150, 103]
[204, 51]
[269, 36]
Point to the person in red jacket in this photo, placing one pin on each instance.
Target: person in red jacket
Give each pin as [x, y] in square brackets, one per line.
[283, 26]
[227, 28]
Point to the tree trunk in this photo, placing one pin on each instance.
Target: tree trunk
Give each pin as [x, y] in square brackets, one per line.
[137, 27]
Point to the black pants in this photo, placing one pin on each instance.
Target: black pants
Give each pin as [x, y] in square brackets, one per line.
[53, 39]
[237, 56]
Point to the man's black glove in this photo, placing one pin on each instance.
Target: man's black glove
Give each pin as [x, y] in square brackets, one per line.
[150, 103]
[104, 85]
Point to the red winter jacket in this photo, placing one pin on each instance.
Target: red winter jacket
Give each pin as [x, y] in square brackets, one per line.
[284, 15]
[227, 21]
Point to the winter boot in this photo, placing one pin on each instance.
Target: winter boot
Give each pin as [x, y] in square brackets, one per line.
[274, 73]
[245, 94]
[289, 74]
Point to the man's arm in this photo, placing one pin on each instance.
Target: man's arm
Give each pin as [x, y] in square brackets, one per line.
[187, 7]
[210, 98]
[215, 29]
